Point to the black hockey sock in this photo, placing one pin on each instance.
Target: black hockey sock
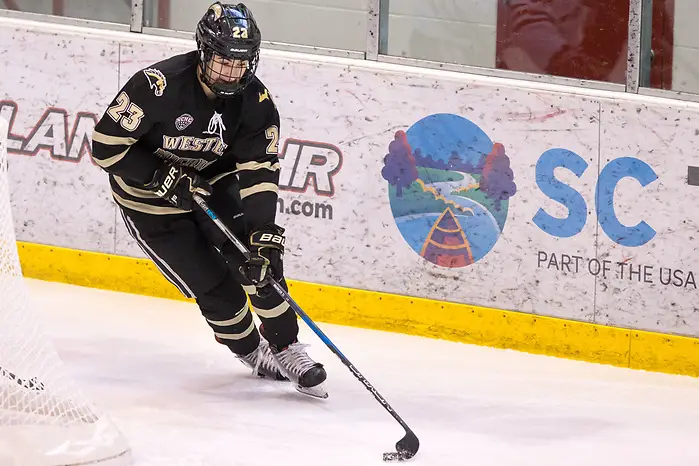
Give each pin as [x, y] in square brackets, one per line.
[225, 308]
[242, 347]
[277, 342]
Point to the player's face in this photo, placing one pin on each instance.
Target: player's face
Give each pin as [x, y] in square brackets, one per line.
[225, 70]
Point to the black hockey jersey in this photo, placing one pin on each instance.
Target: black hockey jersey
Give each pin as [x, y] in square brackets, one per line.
[162, 114]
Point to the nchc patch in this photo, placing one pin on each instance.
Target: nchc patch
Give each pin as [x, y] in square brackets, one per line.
[157, 80]
[183, 121]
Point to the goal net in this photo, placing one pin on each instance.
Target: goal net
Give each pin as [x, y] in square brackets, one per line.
[44, 418]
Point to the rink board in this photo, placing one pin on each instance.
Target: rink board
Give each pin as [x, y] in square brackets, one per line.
[414, 316]
[451, 197]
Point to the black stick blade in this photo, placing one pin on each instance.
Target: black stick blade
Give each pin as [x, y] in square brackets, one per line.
[406, 448]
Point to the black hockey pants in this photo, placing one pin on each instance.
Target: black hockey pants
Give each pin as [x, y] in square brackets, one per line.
[185, 248]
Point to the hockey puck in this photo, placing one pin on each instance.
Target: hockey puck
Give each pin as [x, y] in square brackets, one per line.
[394, 456]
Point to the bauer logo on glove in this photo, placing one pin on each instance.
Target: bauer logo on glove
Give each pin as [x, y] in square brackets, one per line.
[169, 180]
[267, 237]
[177, 185]
[266, 255]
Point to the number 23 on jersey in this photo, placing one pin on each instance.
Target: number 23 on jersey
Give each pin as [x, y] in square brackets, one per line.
[125, 112]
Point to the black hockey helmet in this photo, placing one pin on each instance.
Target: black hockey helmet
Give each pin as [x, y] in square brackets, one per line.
[228, 41]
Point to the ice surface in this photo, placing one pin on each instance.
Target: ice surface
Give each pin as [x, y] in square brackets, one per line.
[181, 399]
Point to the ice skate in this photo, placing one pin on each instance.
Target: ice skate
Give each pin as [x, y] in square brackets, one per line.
[262, 362]
[299, 368]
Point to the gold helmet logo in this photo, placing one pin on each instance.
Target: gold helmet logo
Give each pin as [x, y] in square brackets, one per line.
[217, 9]
[157, 80]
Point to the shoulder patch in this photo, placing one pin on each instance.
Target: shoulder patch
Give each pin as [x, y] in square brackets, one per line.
[157, 80]
[264, 96]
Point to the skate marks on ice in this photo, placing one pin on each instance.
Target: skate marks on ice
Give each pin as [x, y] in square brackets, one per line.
[182, 399]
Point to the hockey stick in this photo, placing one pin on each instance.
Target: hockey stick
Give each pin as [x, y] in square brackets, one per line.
[407, 446]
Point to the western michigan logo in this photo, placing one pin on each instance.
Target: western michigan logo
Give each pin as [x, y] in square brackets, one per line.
[157, 80]
[194, 144]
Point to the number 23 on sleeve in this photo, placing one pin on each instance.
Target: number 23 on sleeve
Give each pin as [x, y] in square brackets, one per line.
[126, 113]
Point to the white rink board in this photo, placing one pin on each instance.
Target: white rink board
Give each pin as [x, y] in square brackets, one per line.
[338, 119]
[666, 140]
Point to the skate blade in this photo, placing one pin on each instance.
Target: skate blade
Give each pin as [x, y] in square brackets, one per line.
[318, 391]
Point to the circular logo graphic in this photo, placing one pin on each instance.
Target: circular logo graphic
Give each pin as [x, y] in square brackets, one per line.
[449, 189]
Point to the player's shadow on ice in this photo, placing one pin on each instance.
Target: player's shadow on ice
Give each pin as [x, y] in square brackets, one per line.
[148, 368]
[244, 386]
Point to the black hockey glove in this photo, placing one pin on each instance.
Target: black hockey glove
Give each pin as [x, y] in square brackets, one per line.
[176, 185]
[266, 255]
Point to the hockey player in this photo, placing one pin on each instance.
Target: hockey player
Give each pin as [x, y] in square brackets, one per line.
[202, 122]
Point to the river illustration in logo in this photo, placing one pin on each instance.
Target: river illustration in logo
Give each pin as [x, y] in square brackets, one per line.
[449, 189]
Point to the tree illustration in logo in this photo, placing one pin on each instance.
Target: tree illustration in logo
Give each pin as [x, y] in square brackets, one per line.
[399, 164]
[497, 181]
[449, 189]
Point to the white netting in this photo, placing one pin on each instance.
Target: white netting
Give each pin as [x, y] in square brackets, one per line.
[44, 418]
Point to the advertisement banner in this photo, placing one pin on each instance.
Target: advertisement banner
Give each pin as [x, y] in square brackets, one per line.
[431, 186]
